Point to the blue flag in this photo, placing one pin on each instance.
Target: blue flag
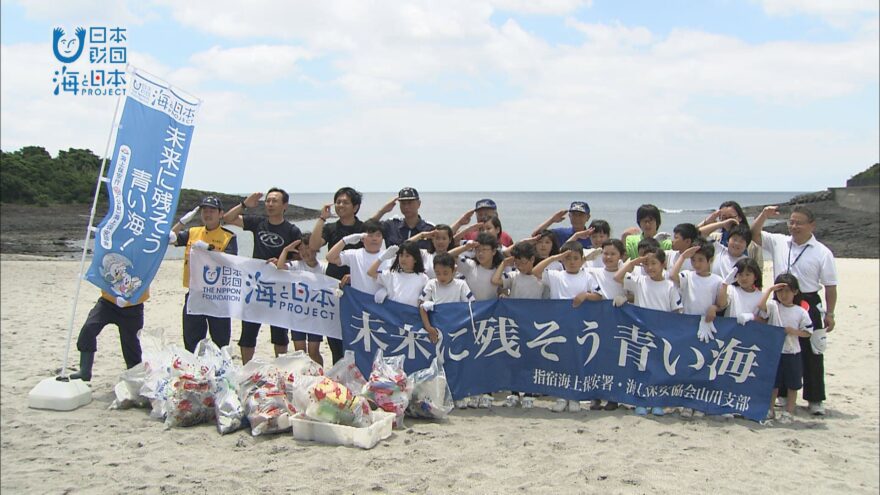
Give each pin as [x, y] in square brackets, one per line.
[143, 184]
[631, 355]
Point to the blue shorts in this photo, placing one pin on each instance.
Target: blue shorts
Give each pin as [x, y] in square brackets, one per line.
[300, 336]
[789, 374]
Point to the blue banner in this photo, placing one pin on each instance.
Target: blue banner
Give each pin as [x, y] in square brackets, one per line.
[629, 354]
[143, 184]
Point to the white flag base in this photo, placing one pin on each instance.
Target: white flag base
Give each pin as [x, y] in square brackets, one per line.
[57, 395]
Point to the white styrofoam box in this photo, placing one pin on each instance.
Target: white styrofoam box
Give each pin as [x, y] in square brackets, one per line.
[365, 438]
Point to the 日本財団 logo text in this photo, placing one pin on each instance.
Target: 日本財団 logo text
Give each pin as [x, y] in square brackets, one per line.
[102, 73]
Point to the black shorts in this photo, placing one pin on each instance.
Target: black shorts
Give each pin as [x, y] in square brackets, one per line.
[299, 336]
[789, 374]
[250, 330]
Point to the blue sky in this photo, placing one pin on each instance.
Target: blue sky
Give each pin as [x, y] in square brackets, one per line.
[480, 94]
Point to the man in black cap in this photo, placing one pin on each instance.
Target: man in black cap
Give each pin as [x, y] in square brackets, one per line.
[400, 229]
[213, 237]
[578, 214]
[484, 209]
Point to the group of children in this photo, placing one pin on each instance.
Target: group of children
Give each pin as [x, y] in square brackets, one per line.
[686, 273]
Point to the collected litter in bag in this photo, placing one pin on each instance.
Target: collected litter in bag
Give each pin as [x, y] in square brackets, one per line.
[262, 393]
[431, 396]
[332, 402]
[389, 388]
[223, 377]
[128, 390]
[346, 372]
[190, 401]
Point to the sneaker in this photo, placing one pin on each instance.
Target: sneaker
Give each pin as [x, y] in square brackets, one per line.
[785, 418]
[486, 401]
[686, 413]
[699, 414]
[596, 405]
[641, 411]
[511, 401]
[611, 406]
[727, 416]
[473, 402]
[527, 402]
[781, 402]
[574, 406]
[817, 408]
[461, 404]
[560, 405]
[658, 411]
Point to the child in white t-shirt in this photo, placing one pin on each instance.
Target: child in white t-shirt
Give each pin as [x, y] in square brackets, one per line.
[441, 242]
[479, 270]
[744, 295]
[444, 288]
[684, 235]
[727, 256]
[519, 283]
[786, 312]
[702, 293]
[566, 284]
[406, 278]
[308, 262]
[359, 259]
[652, 290]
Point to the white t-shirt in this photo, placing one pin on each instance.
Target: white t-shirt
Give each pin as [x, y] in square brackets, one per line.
[723, 262]
[522, 286]
[456, 290]
[302, 266]
[812, 263]
[479, 279]
[740, 301]
[789, 316]
[596, 262]
[652, 294]
[671, 256]
[428, 260]
[402, 287]
[697, 292]
[564, 285]
[608, 287]
[360, 261]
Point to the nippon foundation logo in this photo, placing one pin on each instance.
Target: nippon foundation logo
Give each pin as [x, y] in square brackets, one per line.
[92, 61]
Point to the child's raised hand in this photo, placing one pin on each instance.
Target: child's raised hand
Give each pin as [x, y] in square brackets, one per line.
[471, 228]
[466, 217]
[640, 261]
[293, 245]
[508, 261]
[471, 245]
[690, 252]
[531, 240]
[428, 234]
[776, 287]
[730, 222]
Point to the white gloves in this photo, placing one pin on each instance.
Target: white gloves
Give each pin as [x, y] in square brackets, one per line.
[353, 238]
[189, 216]
[619, 300]
[744, 318]
[172, 237]
[201, 245]
[121, 302]
[338, 292]
[389, 254]
[428, 306]
[731, 277]
[706, 332]
[380, 295]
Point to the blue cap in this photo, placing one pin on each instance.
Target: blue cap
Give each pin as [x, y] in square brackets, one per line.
[580, 206]
[485, 203]
[211, 202]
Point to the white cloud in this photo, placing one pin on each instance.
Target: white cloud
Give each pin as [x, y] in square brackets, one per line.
[89, 12]
[839, 13]
[260, 64]
[545, 7]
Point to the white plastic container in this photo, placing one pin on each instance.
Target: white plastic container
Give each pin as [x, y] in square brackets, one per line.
[365, 438]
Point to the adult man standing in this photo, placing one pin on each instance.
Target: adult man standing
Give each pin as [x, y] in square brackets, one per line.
[484, 209]
[578, 214]
[271, 233]
[812, 263]
[397, 230]
[347, 203]
[213, 237]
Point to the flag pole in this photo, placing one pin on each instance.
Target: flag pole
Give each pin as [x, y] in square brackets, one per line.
[89, 230]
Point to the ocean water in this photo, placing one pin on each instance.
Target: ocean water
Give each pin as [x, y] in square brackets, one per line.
[521, 212]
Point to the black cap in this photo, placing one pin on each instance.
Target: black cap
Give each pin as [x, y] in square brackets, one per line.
[212, 202]
[407, 193]
[485, 203]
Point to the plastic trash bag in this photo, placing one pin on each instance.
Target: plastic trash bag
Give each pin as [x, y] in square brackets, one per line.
[189, 401]
[431, 396]
[346, 372]
[262, 393]
[388, 387]
[128, 390]
[332, 402]
[223, 377]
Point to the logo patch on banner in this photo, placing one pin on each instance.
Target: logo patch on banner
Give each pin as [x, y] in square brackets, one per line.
[103, 74]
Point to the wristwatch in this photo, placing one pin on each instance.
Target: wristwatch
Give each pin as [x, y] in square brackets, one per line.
[243, 206]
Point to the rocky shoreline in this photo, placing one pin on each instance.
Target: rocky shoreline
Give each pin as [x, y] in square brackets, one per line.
[58, 230]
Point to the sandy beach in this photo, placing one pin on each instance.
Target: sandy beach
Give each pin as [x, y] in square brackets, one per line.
[96, 450]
